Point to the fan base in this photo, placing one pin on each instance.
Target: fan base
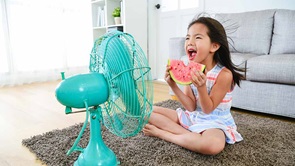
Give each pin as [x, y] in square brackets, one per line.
[92, 160]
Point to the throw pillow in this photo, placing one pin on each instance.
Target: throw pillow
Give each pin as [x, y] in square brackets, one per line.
[248, 32]
[284, 32]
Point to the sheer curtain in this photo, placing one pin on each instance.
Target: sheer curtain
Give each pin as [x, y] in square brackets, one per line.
[41, 38]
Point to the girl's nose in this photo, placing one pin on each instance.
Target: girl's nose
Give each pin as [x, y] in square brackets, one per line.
[190, 42]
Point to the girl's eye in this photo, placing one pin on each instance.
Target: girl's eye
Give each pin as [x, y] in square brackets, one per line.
[198, 38]
[186, 38]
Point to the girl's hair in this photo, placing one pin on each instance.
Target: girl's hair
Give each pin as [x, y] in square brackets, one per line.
[217, 34]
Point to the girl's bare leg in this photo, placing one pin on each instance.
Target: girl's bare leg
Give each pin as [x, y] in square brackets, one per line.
[166, 119]
[164, 124]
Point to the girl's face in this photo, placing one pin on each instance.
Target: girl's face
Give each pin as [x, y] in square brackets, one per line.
[198, 45]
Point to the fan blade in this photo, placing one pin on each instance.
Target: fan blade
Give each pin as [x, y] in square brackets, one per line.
[126, 85]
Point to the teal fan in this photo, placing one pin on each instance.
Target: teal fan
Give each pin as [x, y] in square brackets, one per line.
[118, 93]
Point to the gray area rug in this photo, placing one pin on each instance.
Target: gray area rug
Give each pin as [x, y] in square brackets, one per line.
[266, 141]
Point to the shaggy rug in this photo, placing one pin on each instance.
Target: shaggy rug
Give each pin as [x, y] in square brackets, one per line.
[267, 141]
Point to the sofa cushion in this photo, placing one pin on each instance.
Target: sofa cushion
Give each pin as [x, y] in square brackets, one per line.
[250, 32]
[283, 41]
[240, 60]
[272, 68]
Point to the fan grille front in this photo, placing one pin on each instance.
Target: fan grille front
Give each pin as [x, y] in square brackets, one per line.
[124, 65]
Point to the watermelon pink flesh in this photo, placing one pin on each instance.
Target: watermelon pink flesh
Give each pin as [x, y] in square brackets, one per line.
[180, 73]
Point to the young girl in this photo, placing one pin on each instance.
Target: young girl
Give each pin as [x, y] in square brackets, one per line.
[206, 124]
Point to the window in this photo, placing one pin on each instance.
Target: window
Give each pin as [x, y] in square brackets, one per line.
[186, 4]
[40, 38]
[3, 50]
[171, 5]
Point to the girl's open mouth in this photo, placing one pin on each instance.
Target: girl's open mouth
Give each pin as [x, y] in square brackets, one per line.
[191, 53]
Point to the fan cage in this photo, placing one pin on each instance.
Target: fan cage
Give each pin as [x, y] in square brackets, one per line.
[124, 65]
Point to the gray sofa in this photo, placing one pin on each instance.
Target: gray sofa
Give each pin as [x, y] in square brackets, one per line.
[263, 42]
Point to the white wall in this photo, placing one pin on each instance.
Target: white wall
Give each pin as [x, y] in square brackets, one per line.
[234, 6]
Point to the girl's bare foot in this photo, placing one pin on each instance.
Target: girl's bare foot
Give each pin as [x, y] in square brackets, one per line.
[151, 130]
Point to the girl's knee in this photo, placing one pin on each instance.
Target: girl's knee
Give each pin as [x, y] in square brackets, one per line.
[153, 116]
[213, 148]
[213, 141]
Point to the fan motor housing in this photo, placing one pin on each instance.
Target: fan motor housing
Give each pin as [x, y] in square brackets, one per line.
[76, 90]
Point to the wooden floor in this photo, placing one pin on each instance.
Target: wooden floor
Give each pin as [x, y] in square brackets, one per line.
[32, 109]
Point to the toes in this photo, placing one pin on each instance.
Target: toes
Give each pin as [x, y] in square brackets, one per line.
[147, 130]
[147, 125]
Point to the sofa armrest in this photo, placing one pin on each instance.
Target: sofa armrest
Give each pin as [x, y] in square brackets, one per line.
[176, 47]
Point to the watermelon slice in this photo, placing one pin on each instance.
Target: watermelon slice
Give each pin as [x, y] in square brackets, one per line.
[180, 73]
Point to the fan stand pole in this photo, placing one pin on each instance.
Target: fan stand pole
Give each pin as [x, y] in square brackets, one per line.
[96, 153]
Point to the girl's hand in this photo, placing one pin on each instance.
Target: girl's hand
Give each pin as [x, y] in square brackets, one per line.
[168, 78]
[198, 78]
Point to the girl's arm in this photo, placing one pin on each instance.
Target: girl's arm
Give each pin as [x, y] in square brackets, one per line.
[222, 85]
[186, 98]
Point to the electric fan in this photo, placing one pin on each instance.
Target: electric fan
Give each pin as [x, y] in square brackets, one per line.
[118, 93]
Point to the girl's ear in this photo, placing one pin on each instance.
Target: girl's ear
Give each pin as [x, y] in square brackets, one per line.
[214, 47]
